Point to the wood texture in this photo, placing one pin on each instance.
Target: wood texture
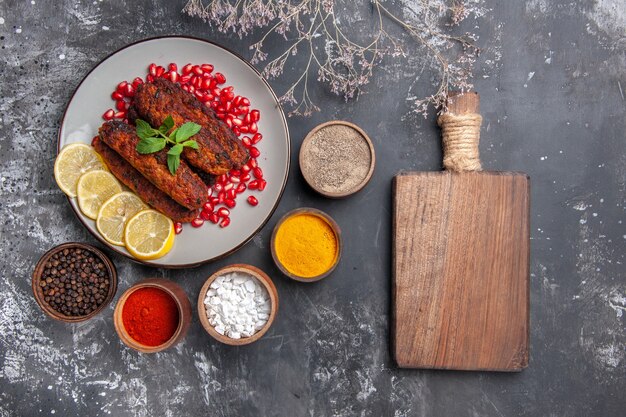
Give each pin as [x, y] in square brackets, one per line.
[461, 264]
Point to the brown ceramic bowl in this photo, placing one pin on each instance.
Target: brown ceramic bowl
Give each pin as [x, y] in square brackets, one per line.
[38, 292]
[309, 175]
[263, 279]
[331, 223]
[184, 314]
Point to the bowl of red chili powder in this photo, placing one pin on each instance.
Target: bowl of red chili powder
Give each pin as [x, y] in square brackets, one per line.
[152, 315]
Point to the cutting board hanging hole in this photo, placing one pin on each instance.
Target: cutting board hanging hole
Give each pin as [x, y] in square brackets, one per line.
[460, 129]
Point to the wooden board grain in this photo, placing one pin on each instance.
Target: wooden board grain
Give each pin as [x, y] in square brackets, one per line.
[461, 266]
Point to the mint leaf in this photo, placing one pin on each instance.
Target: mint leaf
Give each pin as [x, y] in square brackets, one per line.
[150, 145]
[186, 131]
[168, 124]
[144, 130]
[190, 144]
[173, 162]
[175, 150]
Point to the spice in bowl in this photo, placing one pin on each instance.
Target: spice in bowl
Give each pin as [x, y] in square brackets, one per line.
[337, 159]
[237, 305]
[74, 281]
[306, 244]
[150, 316]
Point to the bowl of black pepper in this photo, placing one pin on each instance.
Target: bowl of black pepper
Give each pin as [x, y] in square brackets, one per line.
[73, 282]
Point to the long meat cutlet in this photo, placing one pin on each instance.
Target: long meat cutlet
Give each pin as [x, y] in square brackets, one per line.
[184, 187]
[219, 148]
[139, 184]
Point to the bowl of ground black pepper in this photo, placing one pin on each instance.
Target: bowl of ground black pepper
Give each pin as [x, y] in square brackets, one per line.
[337, 159]
[73, 282]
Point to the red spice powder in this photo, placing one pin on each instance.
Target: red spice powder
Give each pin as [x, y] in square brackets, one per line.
[150, 316]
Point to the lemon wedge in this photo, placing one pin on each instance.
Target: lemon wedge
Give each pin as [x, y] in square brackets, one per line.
[93, 189]
[115, 213]
[149, 235]
[73, 161]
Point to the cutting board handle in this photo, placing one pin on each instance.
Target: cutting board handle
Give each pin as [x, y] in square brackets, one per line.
[460, 130]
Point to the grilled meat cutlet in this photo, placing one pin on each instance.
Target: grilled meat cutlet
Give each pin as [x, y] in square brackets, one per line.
[219, 148]
[184, 187]
[139, 184]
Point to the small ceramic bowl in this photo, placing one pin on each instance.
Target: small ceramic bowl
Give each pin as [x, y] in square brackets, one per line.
[263, 279]
[184, 314]
[308, 168]
[39, 269]
[333, 225]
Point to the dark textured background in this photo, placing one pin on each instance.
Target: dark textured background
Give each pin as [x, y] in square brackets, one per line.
[552, 77]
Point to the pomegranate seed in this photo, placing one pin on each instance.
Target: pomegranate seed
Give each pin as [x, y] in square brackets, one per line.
[245, 169]
[137, 82]
[215, 201]
[222, 179]
[245, 177]
[150, 78]
[241, 188]
[197, 70]
[207, 207]
[254, 152]
[228, 106]
[235, 180]
[120, 105]
[253, 127]
[252, 163]
[197, 222]
[245, 101]
[234, 172]
[225, 222]
[244, 110]
[109, 114]
[221, 197]
[206, 83]
[257, 172]
[219, 77]
[185, 87]
[159, 71]
[244, 129]
[246, 141]
[205, 98]
[116, 96]
[223, 212]
[187, 69]
[236, 130]
[218, 187]
[121, 87]
[152, 69]
[230, 203]
[229, 122]
[256, 138]
[229, 186]
[199, 94]
[237, 122]
[231, 194]
[120, 115]
[173, 67]
[255, 115]
[207, 67]
[178, 227]
[248, 119]
[205, 214]
[185, 79]
[237, 101]
[252, 200]
[191, 89]
[262, 184]
[214, 218]
[254, 184]
[173, 76]
[129, 91]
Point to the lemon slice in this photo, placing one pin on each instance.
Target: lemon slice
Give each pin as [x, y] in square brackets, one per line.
[115, 213]
[93, 189]
[149, 235]
[73, 161]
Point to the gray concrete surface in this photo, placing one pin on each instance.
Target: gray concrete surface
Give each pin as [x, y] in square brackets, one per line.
[552, 80]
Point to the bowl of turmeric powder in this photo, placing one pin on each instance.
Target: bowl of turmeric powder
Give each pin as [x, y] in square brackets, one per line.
[306, 244]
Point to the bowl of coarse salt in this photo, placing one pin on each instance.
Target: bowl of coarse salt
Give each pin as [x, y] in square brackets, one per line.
[238, 304]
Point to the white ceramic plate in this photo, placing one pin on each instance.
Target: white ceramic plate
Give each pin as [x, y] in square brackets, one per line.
[83, 117]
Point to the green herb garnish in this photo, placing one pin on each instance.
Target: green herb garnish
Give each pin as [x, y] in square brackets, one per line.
[153, 140]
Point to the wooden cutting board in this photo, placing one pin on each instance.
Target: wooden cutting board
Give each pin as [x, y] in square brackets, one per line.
[461, 265]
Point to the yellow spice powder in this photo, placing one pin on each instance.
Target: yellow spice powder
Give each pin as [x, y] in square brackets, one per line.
[306, 245]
